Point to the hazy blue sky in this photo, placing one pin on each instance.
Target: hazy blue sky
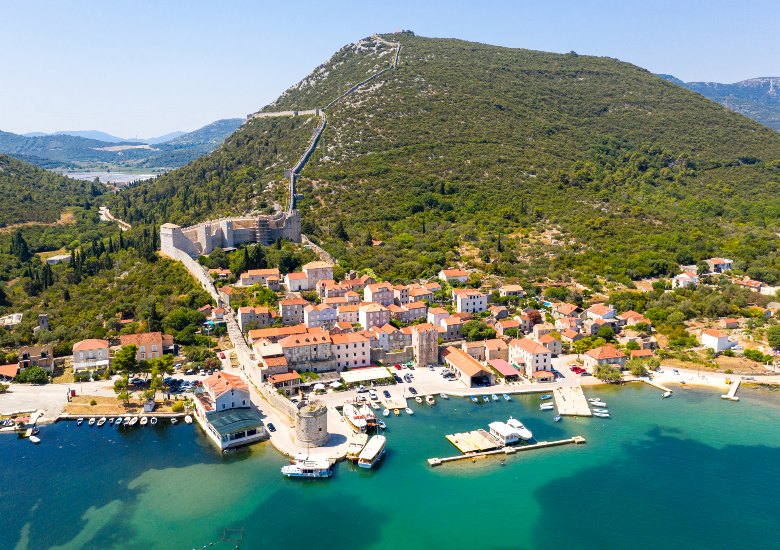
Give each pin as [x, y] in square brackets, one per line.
[143, 68]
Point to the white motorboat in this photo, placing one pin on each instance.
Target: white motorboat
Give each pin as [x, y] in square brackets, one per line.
[91, 421]
[507, 397]
[354, 417]
[153, 421]
[35, 439]
[409, 411]
[386, 412]
[374, 406]
[134, 421]
[557, 418]
[308, 468]
[667, 394]
[79, 422]
[486, 399]
[174, 421]
[188, 419]
[127, 421]
[546, 407]
[598, 404]
[601, 414]
[144, 421]
[374, 450]
[601, 411]
[520, 428]
[494, 397]
[430, 400]
[418, 399]
[101, 422]
[444, 396]
[592, 399]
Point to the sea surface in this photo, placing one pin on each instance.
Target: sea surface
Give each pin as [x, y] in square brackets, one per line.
[691, 471]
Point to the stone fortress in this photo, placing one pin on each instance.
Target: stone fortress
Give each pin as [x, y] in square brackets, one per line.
[226, 233]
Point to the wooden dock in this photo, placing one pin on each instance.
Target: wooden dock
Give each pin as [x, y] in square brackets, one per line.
[570, 401]
[473, 456]
[732, 394]
[474, 441]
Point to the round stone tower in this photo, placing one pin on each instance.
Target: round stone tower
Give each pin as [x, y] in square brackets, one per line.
[311, 426]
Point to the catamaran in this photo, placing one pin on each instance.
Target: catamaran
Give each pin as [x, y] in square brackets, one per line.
[372, 452]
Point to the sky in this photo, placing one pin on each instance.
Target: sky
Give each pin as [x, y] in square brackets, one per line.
[144, 68]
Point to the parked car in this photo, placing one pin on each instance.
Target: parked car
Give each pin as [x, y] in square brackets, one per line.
[372, 394]
[386, 394]
[202, 372]
[398, 379]
[209, 372]
[361, 389]
[430, 367]
[222, 355]
[397, 366]
[190, 371]
[412, 390]
[271, 427]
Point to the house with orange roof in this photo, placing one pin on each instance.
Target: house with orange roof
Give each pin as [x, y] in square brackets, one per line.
[511, 291]
[496, 348]
[684, 280]
[436, 314]
[716, 340]
[564, 310]
[551, 343]
[226, 293]
[454, 275]
[467, 369]
[380, 293]
[529, 355]
[414, 311]
[453, 328]
[433, 286]
[719, 265]
[352, 350]
[505, 324]
[257, 277]
[400, 294]
[469, 300]
[288, 383]
[224, 410]
[631, 317]
[219, 273]
[570, 335]
[311, 351]
[91, 354]
[349, 313]
[600, 311]
[149, 345]
[317, 271]
[274, 334]
[296, 281]
[604, 355]
[474, 349]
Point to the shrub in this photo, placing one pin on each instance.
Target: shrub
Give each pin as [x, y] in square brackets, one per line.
[33, 375]
[178, 407]
[93, 403]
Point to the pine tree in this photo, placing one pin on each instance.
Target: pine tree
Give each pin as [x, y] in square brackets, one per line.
[340, 232]
[19, 247]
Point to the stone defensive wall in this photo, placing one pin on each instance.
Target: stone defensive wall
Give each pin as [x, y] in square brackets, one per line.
[201, 239]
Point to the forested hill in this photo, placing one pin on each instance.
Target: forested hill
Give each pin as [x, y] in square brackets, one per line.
[522, 163]
[31, 194]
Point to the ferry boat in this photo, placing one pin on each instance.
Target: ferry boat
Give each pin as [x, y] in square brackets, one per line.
[444, 396]
[507, 397]
[308, 468]
[373, 452]
[354, 417]
[356, 444]
[546, 407]
[430, 400]
[101, 422]
[523, 432]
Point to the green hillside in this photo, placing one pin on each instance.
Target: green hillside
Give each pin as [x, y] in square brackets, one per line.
[522, 163]
[31, 194]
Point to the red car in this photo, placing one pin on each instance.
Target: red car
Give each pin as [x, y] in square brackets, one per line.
[397, 366]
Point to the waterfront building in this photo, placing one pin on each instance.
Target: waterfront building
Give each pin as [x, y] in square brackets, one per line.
[90, 355]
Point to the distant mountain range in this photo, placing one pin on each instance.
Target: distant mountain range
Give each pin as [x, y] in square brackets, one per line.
[94, 150]
[756, 98]
[103, 136]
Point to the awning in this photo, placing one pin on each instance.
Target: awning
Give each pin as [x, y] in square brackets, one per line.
[504, 368]
[319, 386]
[336, 384]
[365, 375]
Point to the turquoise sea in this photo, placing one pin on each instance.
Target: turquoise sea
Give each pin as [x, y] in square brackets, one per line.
[692, 471]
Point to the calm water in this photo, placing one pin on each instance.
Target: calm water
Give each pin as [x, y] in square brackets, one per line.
[687, 472]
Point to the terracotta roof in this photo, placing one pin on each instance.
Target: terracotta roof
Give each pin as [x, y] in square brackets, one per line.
[714, 333]
[309, 339]
[143, 339]
[547, 338]
[416, 305]
[261, 272]
[438, 311]
[317, 264]
[293, 302]
[495, 344]
[512, 288]
[286, 377]
[719, 261]
[222, 382]
[9, 371]
[420, 292]
[599, 309]
[569, 333]
[605, 352]
[387, 328]
[258, 310]
[349, 308]
[566, 309]
[641, 353]
[542, 374]
[452, 321]
[508, 323]
[276, 332]
[432, 286]
[454, 273]
[348, 338]
[530, 346]
[470, 345]
[297, 276]
[379, 287]
[464, 362]
[227, 290]
[92, 343]
[372, 306]
[279, 361]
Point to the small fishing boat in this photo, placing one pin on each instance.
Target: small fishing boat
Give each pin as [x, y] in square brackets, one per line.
[667, 394]
[444, 396]
[494, 397]
[144, 421]
[35, 430]
[418, 399]
[35, 439]
[381, 424]
[396, 412]
[91, 421]
[430, 400]
[598, 404]
[79, 422]
[601, 411]
[111, 421]
[545, 397]
[134, 421]
[546, 407]
[601, 415]
[174, 421]
[101, 422]
[557, 417]
[127, 421]
[474, 399]
[374, 406]
[188, 419]
[386, 412]
[153, 421]
[409, 411]
[486, 399]
[592, 399]
[507, 397]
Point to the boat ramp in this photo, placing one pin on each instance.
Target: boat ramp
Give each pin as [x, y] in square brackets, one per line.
[732, 394]
[570, 401]
[473, 456]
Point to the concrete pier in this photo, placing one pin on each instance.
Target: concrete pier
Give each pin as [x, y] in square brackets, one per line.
[570, 401]
[732, 394]
[577, 440]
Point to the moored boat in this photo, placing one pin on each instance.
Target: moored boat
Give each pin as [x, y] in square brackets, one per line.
[418, 399]
[381, 424]
[546, 407]
[373, 451]
[308, 468]
[35, 439]
[188, 419]
[101, 422]
[374, 406]
[356, 444]
[79, 422]
[386, 412]
[91, 421]
[409, 411]
[153, 421]
[486, 399]
[474, 399]
[127, 421]
[557, 418]
[444, 396]
[396, 412]
[430, 400]
[667, 394]
[111, 421]
[601, 414]
[354, 417]
[545, 397]
[174, 421]
[598, 404]
[507, 397]
[522, 432]
[144, 421]
[601, 411]
[134, 421]
[494, 397]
